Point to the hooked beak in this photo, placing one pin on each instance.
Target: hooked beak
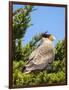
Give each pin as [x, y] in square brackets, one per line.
[54, 38]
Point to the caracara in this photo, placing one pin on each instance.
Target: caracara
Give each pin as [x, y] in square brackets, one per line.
[42, 56]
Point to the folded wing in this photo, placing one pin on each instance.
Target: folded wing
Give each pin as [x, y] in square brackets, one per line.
[40, 57]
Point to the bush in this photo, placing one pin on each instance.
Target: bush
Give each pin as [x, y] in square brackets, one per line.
[55, 75]
[58, 66]
[59, 50]
[58, 77]
[22, 79]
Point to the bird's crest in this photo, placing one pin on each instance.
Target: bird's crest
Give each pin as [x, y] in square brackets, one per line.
[45, 34]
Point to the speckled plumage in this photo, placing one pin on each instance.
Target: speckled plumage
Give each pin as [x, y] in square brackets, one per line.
[41, 56]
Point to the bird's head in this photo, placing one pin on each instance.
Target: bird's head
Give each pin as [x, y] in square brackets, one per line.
[49, 36]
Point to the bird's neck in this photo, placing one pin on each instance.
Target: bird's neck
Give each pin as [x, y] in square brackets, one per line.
[46, 40]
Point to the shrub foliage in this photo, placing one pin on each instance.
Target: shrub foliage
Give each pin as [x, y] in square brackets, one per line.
[55, 75]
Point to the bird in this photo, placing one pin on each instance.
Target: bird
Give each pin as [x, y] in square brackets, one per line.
[42, 56]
